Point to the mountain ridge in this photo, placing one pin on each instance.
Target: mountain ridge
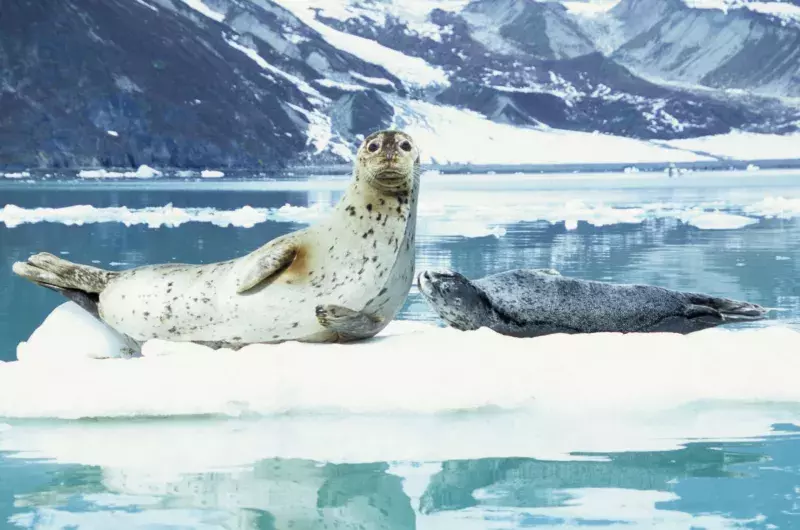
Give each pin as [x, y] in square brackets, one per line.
[261, 83]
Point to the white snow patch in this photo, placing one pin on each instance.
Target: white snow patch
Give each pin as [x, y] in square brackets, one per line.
[372, 80]
[211, 174]
[112, 133]
[740, 145]
[320, 133]
[453, 135]
[589, 8]
[623, 374]
[147, 5]
[412, 71]
[299, 83]
[349, 87]
[785, 11]
[415, 15]
[204, 10]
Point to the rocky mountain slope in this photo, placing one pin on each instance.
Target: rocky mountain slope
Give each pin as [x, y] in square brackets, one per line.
[266, 83]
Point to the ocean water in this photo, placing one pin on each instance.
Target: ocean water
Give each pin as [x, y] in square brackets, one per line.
[735, 235]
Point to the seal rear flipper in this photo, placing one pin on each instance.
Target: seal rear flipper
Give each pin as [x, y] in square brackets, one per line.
[730, 310]
[44, 268]
[348, 324]
[265, 263]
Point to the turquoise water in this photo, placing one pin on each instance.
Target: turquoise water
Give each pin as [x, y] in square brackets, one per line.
[210, 473]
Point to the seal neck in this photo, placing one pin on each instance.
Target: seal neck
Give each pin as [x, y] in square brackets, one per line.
[362, 194]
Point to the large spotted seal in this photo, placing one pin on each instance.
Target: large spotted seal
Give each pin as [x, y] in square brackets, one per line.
[341, 279]
[534, 302]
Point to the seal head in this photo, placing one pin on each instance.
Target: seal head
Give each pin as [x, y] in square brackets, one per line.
[461, 303]
[388, 161]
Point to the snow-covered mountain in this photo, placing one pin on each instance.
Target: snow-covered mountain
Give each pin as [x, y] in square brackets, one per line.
[265, 83]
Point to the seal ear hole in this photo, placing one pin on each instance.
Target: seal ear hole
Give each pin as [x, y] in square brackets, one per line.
[372, 147]
[405, 145]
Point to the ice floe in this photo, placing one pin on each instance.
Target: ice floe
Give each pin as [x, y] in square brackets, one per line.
[440, 214]
[211, 174]
[16, 175]
[403, 371]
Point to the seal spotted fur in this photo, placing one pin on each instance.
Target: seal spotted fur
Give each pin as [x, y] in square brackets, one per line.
[534, 302]
[341, 279]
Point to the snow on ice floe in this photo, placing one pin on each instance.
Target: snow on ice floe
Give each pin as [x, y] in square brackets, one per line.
[440, 214]
[393, 385]
[211, 174]
[143, 172]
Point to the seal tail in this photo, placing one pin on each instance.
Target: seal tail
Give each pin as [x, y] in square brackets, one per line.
[724, 310]
[80, 283]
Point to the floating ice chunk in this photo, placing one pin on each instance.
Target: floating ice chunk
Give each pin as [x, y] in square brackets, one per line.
[74, 334]
[211, 174]
[752, 167]
[782, 258]
[718, 221]
[779, 207]
[17, 175]
[401, 370]
[144, 172]
[112, 133]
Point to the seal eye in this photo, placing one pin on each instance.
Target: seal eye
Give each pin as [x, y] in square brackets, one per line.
[373, 147]
[405, 146]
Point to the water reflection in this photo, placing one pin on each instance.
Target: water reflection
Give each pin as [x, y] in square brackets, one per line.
[704, 484]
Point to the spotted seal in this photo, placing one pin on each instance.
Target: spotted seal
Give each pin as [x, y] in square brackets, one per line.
[534, 302]
[341, 279]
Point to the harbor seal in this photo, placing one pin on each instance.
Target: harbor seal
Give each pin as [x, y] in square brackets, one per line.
[535, 302]
[341, 279]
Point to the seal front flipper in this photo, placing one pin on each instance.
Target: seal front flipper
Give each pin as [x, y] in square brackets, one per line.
[348, 324]
[265, 263]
